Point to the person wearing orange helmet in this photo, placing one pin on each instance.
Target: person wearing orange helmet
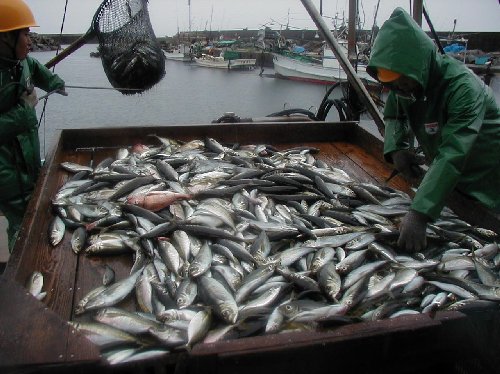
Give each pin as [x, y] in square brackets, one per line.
[20, 161]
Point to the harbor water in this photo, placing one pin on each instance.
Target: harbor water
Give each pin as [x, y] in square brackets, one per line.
[188, 94]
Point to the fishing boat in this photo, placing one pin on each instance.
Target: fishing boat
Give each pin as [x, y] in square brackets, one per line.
[181, 52]
[326, 70]
[219, 62]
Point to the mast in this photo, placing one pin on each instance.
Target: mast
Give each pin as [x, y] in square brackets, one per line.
[189, 6]
[351, 33]
[417, 11]
[372, 37]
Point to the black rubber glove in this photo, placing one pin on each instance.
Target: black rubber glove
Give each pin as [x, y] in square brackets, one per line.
[412, 237]
[407, 163]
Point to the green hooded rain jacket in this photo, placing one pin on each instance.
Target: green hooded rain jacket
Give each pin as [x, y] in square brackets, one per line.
[19, 145]
[456, 121]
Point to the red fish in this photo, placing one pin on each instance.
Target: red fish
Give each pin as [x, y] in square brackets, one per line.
[139, 148]
[157, 200]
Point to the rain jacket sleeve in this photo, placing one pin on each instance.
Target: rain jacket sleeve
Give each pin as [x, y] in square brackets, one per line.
[459, 133]
[396, 128]
[16, 117]
[43, 77]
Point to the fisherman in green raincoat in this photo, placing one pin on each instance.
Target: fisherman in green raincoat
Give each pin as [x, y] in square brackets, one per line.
[453, 115]
[19, 144]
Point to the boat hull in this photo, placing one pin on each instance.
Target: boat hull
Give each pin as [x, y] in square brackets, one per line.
[240, 63]
[290, 68]
[182, 53]
[177, 57]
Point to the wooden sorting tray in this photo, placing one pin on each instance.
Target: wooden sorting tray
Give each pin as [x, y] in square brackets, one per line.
[34, 335]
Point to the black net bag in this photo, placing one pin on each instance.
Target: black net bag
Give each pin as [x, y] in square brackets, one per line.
[130, 53]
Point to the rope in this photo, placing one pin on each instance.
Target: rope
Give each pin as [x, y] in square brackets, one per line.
[42, 116]
[105, 88]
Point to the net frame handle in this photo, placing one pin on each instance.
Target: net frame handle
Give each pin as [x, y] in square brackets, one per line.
[71, 48]
[91, 33]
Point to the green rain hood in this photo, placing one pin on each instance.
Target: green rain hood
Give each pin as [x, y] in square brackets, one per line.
[456, 121]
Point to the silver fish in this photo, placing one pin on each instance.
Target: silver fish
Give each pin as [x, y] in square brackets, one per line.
[108, 296]
[221, 300]
[57, 229]
[35, 283]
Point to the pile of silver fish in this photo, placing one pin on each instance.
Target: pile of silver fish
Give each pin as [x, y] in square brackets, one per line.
[236, 241]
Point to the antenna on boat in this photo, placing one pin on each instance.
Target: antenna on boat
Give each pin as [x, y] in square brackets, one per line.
[454, 26]
[189, 10]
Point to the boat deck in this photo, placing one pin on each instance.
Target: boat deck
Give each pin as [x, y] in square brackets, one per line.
[34, 334]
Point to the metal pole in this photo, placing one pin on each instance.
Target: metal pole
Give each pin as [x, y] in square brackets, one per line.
[344, 63]
[433, 32]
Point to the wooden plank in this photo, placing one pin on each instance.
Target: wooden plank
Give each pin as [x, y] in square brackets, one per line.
[378, 346]
[32, 334]
[338, 158]
[90, 275]
[269, 133]
[297, 339]
[378, 170]
[33, 251]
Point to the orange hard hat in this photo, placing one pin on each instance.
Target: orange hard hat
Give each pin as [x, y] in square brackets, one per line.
[385, 75]
[15, 15]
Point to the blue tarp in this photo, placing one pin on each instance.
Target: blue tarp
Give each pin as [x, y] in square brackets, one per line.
[298, 49]
[454, 48]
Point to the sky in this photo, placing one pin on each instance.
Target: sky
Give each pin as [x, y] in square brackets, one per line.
[168, 16]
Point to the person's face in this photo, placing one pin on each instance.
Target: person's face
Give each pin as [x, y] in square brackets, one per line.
[23, 44]
[404, 87]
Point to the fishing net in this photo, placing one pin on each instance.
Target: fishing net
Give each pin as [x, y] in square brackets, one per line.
[130, 53]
